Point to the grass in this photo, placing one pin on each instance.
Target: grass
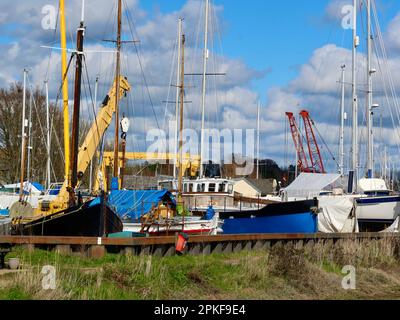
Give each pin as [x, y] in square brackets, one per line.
[296, 272]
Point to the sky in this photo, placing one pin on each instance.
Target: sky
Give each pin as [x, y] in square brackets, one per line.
[286, 54]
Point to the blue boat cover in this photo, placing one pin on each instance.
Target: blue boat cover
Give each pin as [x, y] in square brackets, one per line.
[134, 204]
[38, 186]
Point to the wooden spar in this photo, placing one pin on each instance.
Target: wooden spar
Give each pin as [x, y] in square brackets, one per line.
[23, 144]
[77, 103]
[204, 87]
[117, 72]
[177, 96]
[64, 79]
[182, 98]
[48, 134]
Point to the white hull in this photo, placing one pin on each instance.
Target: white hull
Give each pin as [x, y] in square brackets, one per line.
[7, 200]
[378, 209]
[189, 226]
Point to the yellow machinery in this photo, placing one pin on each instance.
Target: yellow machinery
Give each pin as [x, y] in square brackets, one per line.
[190, 162]
[88, 149]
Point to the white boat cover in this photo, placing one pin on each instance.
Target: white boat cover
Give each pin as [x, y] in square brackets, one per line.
[29, 187]
[335, 215]
[310, 185]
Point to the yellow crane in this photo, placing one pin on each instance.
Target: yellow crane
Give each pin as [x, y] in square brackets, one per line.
[190, 162]
[89, 147]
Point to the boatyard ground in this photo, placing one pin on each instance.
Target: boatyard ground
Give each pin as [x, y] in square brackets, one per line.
[291, 271]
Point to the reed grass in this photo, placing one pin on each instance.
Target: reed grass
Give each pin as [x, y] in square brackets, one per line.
[292, 271]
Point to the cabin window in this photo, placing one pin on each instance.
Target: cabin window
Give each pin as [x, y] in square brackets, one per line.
[212, 187]
[190, 187]
[222, 187]
[163, 185]
[230, 188]
[185, 187]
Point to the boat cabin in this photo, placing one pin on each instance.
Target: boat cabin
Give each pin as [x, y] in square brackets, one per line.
[200, 186]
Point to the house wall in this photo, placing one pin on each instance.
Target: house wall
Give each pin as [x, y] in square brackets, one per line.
[245, 189]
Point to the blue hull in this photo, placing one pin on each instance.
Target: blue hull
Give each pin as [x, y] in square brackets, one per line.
[287, 218]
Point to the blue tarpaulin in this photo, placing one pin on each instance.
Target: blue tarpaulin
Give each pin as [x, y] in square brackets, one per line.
[134, 204]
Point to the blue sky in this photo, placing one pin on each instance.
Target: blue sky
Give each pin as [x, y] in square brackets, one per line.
[277, 35]
[288, 53]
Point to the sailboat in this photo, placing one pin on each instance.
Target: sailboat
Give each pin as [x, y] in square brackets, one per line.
[377, 208]
[369, 205]
[174, 217]
[68, 214]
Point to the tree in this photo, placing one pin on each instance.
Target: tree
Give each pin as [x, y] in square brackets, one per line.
[10, 136]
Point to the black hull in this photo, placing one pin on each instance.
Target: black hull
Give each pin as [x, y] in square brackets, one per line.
[84, 221]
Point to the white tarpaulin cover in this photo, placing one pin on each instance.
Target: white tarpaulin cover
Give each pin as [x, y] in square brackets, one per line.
[394, 228]
[335, 215]
[310, 185]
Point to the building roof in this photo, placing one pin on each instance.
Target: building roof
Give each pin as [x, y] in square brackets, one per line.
[262, 186]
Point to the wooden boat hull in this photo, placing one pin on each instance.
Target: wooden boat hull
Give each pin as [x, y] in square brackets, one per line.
[84, 221]
[189, 226]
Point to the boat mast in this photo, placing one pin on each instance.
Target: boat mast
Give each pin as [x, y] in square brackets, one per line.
[23, 137]
[96, 89]
[370, 106]
[182, 97]
[203, 99]
[342, 120]
[356, 41]
[48, 167]
[258, 140]
[117, 84]
[28, 170]
[177, 95]
[64, 79]
[77, 101]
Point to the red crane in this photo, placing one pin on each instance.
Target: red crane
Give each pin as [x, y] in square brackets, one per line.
[317, 165]
[298, 143]
[315, 154]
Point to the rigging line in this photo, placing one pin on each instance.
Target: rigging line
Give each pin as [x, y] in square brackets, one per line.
[51, 50]
[391, 83]
[326, 145]
[38, 115]
[91, 97]
[132, 27]
[170, 83]
[385, 57]
[107, 24]
[56, 103]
